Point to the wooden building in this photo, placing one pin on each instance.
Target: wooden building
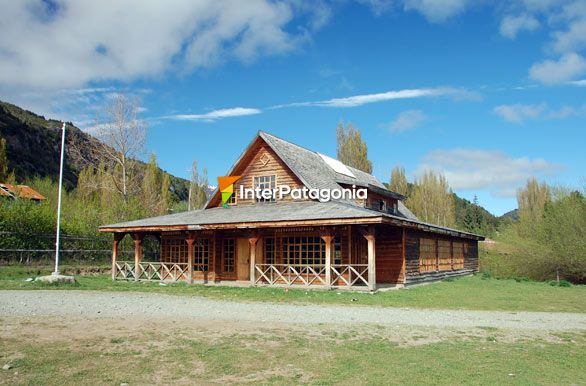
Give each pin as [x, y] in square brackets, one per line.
[358, 243]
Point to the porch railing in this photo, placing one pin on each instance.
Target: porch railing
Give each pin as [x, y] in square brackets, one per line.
[285, 274]
[156, 271]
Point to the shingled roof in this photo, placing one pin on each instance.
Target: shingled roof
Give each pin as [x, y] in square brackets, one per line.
[311, 169]
[274, 213]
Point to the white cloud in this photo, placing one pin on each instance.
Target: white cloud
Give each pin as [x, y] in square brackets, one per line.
[407, 120]
[518, 113]
[436, 11]
[579, 83]
[567, 112]
[573, 37]
[511, 25]
[495, 171]
[217, 114]
[359, 100]
[79, 41]
[565, 69]
[378, 7]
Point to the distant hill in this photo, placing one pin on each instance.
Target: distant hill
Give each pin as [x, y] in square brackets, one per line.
[512, 215]
[33, 147]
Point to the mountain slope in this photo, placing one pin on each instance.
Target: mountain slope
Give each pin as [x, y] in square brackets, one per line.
[33, 146]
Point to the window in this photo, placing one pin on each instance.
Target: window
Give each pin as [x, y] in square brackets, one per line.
[201, 255]
[337, 258]
[232, 199]
[382, 205]
[173, 251]
[304, 250]
[269, 251]
[229, 254]
[265, 183]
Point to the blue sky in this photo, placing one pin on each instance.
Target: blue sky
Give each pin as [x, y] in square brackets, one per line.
[487, 94]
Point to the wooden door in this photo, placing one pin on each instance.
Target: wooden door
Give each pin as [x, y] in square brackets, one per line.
[243, 260]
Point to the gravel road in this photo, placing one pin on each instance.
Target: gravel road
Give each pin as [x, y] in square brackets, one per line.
[139, 305]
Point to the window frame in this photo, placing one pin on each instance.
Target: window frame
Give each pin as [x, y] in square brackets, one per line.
[272, 185]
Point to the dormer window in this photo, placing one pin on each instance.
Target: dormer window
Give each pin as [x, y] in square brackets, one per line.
[381, 205]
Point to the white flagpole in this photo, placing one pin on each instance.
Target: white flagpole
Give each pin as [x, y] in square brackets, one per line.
[59, 201]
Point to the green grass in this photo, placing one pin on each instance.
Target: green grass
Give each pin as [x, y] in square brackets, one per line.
[473, 293]
[293, 358]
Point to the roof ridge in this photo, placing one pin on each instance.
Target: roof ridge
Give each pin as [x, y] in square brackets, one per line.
[289, 142]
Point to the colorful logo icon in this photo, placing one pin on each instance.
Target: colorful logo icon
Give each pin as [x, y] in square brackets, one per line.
[226, 185]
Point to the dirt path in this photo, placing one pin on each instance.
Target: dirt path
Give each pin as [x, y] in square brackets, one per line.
[139, 305]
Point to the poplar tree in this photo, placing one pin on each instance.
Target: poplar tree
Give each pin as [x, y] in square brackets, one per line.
[531, 200]
[398, 183]
[165, 198]
[351, 149]
[432, 200]
[198, 188]
[151, 187]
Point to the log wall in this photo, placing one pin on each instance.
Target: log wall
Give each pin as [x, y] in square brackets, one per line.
[454, 257]
[389, 255]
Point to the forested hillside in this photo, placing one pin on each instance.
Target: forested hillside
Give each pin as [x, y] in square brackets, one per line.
[33, 146]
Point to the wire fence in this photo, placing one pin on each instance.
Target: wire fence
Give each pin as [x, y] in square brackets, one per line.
[38, 248]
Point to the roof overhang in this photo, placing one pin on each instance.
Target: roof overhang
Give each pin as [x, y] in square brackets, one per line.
[298, 223]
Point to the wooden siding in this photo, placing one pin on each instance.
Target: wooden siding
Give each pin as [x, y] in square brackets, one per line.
[389, 255]
[260, 160]
[454, 257]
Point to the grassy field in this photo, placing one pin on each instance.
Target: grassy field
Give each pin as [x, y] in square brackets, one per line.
[473, 293]
[191, 355]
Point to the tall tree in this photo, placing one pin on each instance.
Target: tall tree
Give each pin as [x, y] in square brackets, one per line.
[123, 135]
[151, 187]
[532, 200]
[351, 149]
[165, 200]
[398, 183]
[3, 161]
[431, 199]
[198, 188]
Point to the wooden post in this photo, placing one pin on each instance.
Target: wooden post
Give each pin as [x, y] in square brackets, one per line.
[252, 241]
[437, 254]
[404, 254]
[117, 238]
[452, 254]
[349, 259]
[137, 237]
[190, 257]
[327, 238]
[369, 236]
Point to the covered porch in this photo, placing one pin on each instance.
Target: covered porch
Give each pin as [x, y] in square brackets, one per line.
[343, 256]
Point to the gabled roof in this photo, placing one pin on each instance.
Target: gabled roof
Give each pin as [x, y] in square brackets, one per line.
[311, 169]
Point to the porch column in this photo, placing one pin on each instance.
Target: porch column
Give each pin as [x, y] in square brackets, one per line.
[252, 241]
[137, 237]
[117, 238]
[369, 236]
[190, 256]
[328, 240]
